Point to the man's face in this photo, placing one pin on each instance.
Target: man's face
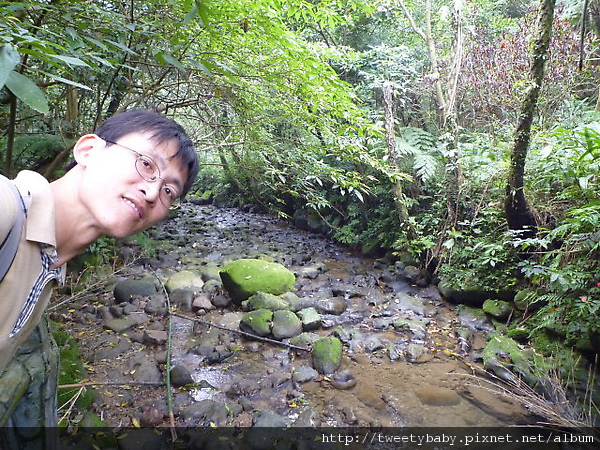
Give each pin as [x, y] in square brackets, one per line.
[121, 202]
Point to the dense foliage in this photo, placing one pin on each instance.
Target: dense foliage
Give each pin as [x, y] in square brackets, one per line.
[285, 102]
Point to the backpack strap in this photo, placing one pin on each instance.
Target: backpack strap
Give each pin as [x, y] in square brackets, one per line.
[8, 248]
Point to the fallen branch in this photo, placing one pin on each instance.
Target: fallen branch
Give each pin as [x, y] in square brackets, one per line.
[243, 333]
[110, 383]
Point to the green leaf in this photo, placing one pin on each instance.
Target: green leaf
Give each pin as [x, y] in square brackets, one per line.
[66, 81]
[168, 58]
[9, 58]
[27, 91]
[70, 60]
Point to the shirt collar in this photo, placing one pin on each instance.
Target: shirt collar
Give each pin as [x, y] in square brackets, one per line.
[40, 215]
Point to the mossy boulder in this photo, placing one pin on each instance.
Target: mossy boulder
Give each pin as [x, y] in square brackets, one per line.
[327, 355]
[257, 322]
[498, 309]
[266, 301]
[243, 278]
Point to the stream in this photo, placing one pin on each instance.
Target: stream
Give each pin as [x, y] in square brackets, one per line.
[409, 359]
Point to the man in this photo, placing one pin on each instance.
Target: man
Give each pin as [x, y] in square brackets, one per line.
[125, 177]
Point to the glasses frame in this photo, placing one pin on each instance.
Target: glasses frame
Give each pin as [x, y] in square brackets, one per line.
[176, 203]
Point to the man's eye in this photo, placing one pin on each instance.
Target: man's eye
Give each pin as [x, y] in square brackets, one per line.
[147, 165]
[170, 192]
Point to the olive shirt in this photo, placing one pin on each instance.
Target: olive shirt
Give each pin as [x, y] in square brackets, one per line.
[26, 288]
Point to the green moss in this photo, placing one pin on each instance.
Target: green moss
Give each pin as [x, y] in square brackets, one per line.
[245, 277]
[71, 369]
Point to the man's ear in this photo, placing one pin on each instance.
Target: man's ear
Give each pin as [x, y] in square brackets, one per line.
[85, 147]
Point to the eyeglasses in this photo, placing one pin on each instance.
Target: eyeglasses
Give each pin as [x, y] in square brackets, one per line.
[149, 171]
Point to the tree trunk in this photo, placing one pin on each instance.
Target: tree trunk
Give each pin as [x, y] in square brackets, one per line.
[519, 214]
[398, 195]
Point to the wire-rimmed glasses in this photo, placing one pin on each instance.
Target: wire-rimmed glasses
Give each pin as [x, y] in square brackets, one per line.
[148, 169]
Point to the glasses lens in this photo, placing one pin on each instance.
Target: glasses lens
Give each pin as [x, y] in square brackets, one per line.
[146, 168]
[169, 197]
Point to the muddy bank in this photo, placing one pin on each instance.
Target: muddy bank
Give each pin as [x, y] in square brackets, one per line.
[408, 355]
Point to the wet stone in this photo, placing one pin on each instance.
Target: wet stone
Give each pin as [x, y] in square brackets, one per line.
[180, 376]
[285, 325]
[327, 355]
[182, 297]
[311, 319]
[257, 322]
[125, 290]
[438, 396]
[304, 374]
[154, 337]
[185, 279]
[263, 300]
[335, 306]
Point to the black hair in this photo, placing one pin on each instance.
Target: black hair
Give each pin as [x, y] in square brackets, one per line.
[161, 129]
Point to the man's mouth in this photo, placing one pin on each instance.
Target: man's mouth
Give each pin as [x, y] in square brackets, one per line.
[134, 206]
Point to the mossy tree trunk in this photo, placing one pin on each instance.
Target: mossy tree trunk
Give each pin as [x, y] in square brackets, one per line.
[519, 214]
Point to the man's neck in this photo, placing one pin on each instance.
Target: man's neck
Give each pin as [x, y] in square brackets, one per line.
[74, 229]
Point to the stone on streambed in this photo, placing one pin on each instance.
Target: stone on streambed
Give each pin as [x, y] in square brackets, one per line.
[327, 355]
[438, 396]
[257, 322]
[189, 279]
[311, 319]
[180, 376]
[125, 290]
[262, 300]
[285, 325]
[243, 278]
[498, 309]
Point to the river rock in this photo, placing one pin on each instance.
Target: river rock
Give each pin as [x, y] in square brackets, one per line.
[185, 279]
[327, 355]
[183, 298]
[265, 301]
[180, 376]
[311, 319]
[285, 325]
[335, 306]
[438, 396]
[257, 322]
[416, 327]
[245, 277]
[144, 369]
[206, 411]
[304, 374]
[498, 309]
[154, 337]
[125, 290]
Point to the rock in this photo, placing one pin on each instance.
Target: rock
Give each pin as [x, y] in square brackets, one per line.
[120, 325]
[154, 337]
[415, 276]
[202, 302]
[285, 325]
[498, 309]
[185, 279]
[245, 277]
[180, 376]
[156, 305]
[327, 355]
[437, 396]
[265, 301]
[206, 411]
[335, 306]
[305, 340]
[143, 369]
[257, 322]
[311, 319]
[343, 380]
[268, 419]
[151, 417]
[125, 290]
[182, 297]
[416, 327]
[474, 319]
[304, 374]
[417, 353]
[367, 394]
